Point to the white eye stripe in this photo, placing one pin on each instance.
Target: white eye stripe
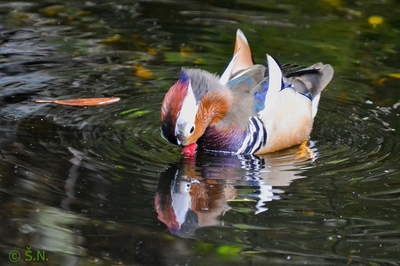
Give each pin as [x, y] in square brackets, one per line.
[187, 115]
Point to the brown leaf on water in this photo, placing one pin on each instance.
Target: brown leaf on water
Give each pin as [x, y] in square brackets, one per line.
[54, 10]
[142, 72]
[84, 13]
[114, 39]
[82, 101]
[186, 51]
[394, 75]
[152, 51]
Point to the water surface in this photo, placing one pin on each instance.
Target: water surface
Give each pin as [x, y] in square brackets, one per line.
[98, 185]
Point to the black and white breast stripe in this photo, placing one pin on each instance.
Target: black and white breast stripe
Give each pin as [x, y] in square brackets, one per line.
[256, 136]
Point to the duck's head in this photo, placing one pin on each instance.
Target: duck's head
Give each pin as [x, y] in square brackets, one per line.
[195, 101]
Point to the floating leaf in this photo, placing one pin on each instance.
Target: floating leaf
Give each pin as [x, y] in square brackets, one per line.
[82, 101]
[151, 51]
[129, 111]
[334, 3]
[84, 13]
[354, 12]
[375, 20]
[204, 247]
[20, 16]
[228, 250]
[249, 227]
[114, 39]
[139, 113]
[142, 72]
[380, 81]
[309, 213]
[186, 51]
[53, 11]
[135, 112]
[394, 75]
[198, 61]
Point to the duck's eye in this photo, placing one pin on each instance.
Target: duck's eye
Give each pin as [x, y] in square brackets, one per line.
[191, 129]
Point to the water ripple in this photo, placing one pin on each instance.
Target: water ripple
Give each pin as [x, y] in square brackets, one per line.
[351, 138]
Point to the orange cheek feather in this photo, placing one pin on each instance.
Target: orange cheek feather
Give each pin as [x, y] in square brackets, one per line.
[213, 108]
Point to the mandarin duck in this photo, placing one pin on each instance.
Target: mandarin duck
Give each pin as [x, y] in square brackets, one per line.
[249, 109]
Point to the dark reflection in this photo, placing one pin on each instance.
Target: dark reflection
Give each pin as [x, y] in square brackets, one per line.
[184, 202]
[196, 192]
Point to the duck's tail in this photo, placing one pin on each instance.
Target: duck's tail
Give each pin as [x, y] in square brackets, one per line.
[311, 80]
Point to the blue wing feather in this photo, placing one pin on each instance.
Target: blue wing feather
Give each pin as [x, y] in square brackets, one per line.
[259, 96]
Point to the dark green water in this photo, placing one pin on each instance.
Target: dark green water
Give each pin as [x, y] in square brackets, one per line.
[99, 186]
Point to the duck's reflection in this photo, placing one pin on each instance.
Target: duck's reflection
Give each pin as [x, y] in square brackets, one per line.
[195, 192]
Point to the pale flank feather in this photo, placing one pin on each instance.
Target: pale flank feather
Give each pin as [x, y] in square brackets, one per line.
[288, 111]
[289, 121]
